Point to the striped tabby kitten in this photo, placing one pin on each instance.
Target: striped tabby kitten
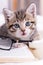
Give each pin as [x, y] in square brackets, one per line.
[20, 24]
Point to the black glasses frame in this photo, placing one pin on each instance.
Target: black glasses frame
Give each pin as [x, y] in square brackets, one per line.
[14, 41]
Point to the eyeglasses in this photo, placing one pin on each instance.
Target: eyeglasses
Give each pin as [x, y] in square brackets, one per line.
[6, 43]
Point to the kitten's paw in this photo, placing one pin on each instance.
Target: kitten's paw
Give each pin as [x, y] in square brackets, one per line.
[18, 45]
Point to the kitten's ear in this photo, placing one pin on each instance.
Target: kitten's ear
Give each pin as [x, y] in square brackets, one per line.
[32, 9]
[7, 13]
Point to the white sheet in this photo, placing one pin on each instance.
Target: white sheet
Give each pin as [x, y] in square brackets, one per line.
[17, 53]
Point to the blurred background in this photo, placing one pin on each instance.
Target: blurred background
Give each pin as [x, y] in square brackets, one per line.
[20, 4]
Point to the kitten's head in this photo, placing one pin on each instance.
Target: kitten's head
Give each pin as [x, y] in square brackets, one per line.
[21, 23]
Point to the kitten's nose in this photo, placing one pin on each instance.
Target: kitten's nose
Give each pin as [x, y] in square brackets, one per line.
[23, 30]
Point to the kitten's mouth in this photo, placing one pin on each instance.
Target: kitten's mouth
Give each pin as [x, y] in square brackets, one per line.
[23, 34]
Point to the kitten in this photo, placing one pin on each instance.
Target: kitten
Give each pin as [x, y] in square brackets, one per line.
[20, 25]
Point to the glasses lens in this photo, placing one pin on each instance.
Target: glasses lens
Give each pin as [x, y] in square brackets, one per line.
[5, 43]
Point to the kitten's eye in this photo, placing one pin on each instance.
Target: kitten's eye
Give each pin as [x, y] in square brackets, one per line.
[16, 26]
[27, 23]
